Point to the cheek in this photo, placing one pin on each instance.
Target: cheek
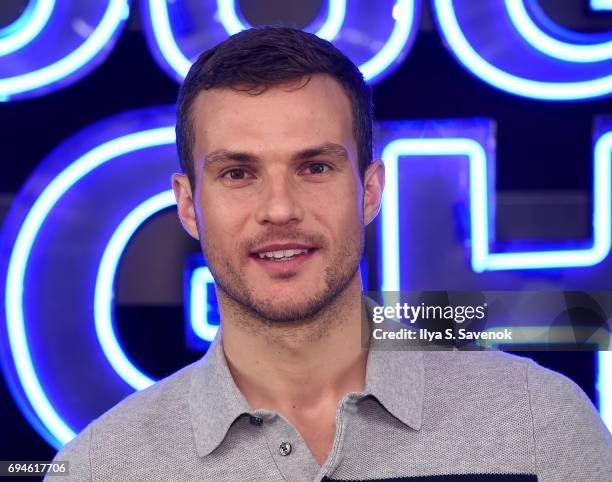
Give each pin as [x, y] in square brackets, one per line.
[227, 219]
[220, 219]
[341, 211]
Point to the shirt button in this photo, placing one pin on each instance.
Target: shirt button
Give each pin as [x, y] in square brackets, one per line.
[284, 448]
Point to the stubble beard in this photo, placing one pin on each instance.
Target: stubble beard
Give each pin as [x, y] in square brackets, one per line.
[343, 267]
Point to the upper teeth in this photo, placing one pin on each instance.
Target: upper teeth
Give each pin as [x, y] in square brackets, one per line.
[283, 253]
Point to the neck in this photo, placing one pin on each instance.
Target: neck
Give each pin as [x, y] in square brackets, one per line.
[287, 366]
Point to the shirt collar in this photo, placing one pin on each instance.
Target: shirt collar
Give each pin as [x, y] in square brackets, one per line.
[214, 399]
[395, 378]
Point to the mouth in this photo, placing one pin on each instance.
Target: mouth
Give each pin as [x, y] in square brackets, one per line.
[282, 259]
[282, 255]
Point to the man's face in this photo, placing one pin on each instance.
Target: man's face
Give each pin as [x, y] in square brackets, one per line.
[278, 202]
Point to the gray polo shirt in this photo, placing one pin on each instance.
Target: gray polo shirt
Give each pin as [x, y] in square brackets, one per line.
[424, 415]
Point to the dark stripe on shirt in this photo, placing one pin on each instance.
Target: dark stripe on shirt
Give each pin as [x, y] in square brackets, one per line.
[450, 478]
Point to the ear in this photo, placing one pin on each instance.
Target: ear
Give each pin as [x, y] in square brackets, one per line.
[373, 185]
[184, 204]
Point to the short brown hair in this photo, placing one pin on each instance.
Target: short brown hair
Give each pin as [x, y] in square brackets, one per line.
[266, 56]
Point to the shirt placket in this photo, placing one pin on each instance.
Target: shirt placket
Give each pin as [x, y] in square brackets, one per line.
[345, 410]
[287, 447]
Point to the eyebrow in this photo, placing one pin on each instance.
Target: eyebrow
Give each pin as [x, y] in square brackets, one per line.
[221, 156]
[326, 149]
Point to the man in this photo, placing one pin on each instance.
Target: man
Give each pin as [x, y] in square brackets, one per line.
[274, 136]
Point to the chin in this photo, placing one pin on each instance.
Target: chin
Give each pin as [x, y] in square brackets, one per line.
[278, 309]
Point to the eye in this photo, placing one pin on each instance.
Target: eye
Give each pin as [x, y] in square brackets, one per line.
[235, 174]
[317, 168]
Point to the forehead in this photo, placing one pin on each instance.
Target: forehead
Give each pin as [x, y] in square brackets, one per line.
[282, 119]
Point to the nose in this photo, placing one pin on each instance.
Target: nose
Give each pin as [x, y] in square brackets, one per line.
[278, 203]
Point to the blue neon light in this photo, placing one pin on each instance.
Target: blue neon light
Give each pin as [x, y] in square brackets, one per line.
[198, 304]
[162, 31]
[390, 206]
[116, 13]
[328, 31]
[601, 5]
[26, 27]
[103, 298]
[604, 387]
[481, 258]
[403, 13]
[551, 46]
[19, 258]
[468, 56]
[602, 205]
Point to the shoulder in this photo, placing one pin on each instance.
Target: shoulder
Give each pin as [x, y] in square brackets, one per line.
[76, 453]
[490, 386]
[162, 400]
[494, 365]
[152, 419]
[568, 438]
[547, 387]
[505, 383]
[496, 368]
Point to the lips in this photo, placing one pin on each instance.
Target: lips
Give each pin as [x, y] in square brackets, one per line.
[282, 254]
[282, 258]
[279, 251]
